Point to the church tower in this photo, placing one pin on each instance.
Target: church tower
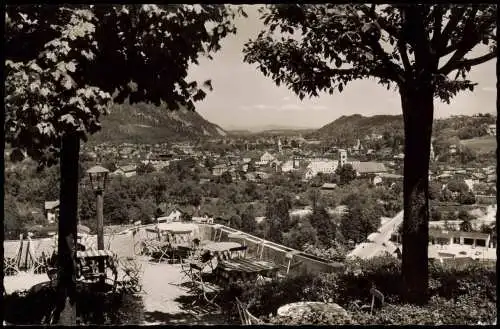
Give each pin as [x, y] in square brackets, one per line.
[279, 145]
[342, 157]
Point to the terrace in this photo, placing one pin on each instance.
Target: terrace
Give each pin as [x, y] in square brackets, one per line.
[164, 298]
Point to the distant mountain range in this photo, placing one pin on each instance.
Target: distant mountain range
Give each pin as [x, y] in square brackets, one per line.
[150, 124]
[266, 128]
[147, 123]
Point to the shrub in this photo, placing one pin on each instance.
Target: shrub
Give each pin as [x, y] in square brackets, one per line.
[316, 318]
[93, 307]
[466, 310]
[460, 294]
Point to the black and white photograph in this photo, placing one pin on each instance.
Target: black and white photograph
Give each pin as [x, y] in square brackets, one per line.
[250, 164]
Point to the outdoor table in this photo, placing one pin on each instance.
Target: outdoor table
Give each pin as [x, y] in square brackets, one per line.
[180, 231]
[94, 254]
[219, 247]
[237, 236]
[246, 269]
[180, 237]
[299, 309]
[177, 227]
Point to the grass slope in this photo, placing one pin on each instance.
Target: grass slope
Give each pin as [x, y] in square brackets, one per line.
[485, 144]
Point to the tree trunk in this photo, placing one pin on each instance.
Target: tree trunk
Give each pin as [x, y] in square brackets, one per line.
[418, 110]
[65, 311]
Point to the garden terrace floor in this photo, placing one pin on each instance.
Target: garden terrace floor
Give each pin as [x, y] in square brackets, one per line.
[164, 303]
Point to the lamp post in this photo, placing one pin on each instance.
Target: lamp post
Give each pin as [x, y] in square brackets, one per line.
[98, 176]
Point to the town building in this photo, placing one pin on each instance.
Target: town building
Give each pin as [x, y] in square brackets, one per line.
[265, 159]
[368, 168]
[473, 239]
[342, 157]
[492, 129]
[328, 186]
[127, 171]
[52, 210]
[357, 149]
[219, 169]
[324, 166]
[287, 166]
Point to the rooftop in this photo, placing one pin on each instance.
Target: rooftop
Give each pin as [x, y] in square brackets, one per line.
[51, 204]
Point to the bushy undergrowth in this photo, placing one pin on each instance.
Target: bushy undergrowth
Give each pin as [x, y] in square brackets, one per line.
[460, 294]
[93, 307]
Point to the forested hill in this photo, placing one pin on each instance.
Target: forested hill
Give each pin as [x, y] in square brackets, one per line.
[150, 124]
[347, 129]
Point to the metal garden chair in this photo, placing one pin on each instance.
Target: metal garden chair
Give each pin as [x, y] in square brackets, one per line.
[246, 317]
[203, 289]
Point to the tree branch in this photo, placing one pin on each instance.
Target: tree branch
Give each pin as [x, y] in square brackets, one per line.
[481, 30]
[404, 56]
[393, 69]
[456, 14]
[468, 41]
[383, 24]
[414, 31]
[471, 62]
[453, 47]
[437, 14]
[341, 71]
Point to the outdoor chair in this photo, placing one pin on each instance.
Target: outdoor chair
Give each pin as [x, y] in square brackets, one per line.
[10, 266]
[52, 267]
[246, 317]
[148, 247]
[224, 255]
[376, 296]
[182, 252]
[290, 267]
[217, 233]
[203, 289]
[258, 252]
[131, 280]
[162, 252]
[263, 279]
[204, 262]
[39, 264]
[238, 252]
[181, 239]
[88, 271]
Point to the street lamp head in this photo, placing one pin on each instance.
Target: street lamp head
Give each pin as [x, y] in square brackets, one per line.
[98, 176]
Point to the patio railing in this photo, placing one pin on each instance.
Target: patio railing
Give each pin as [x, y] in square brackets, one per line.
[272, 251]
[123, 245]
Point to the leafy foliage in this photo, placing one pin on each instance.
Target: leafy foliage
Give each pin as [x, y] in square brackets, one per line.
[145, 168]
[460, 294]
[364, 41]
[44, 99]
[95, 306]
[346, 174]
[322, 48]
[324, 225]
[301, 235]
[278, 216]
[362, 219]
[64, 63]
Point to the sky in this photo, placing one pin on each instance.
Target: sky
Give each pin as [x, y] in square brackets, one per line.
[243, 98]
